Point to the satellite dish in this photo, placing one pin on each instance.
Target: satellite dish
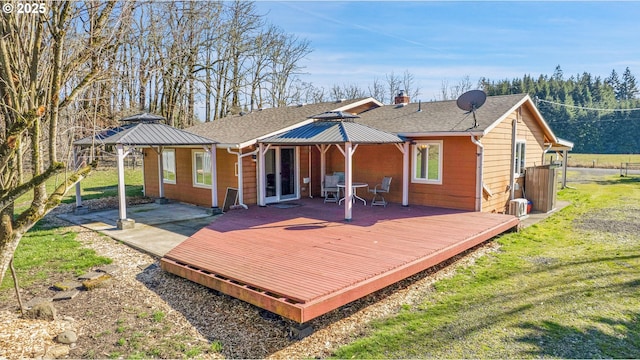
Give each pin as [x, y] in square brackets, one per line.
[472, 101]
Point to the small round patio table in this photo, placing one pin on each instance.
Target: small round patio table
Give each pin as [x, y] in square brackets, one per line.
[354, 186]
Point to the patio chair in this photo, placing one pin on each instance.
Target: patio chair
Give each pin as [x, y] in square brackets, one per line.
[380, 189]
[331, 191]
[340, 175]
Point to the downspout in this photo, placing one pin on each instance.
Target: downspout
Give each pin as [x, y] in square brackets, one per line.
[544, 152]
[240, 155]
[479, 172]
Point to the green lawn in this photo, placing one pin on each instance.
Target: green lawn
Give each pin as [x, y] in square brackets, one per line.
[567, 287]
[43, 252]
[99, 184]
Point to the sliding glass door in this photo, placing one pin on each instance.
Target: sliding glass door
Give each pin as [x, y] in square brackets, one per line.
[280, 174]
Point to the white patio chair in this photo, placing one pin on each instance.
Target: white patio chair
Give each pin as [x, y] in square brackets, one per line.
[330, 188]
[380, 189]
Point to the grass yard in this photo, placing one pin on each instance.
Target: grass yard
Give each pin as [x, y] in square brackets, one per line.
[610, 161]
[99, 184]
[45, 253]
[567, 287]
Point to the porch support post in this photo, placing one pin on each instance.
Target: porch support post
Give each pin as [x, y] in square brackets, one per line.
[261, 176]
[214, 178]
[564, 168]
[323, 165]
[240, 178]
[310, 177]
[123, 222]
[348, 181]
[76, 163]
[405, 174]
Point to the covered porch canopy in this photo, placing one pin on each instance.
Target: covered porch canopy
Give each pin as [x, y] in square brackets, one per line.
[563, 146]
[145, 130]
[335, 128]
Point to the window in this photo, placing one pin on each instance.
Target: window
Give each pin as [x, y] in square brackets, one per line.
[169, 166]
[201, 168]
[519, 158]
[427, 162]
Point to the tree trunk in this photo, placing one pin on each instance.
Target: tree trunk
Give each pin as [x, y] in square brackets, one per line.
[9, 240]
[16, 285]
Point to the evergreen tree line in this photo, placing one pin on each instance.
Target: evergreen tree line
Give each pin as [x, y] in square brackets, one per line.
[600, 116]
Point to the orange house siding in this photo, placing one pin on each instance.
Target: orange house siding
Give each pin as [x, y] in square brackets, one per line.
[497, 157]
[372, 162]
[458, 188]
[183, 190]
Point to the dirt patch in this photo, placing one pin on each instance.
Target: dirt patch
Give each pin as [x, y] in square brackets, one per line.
[624, 220]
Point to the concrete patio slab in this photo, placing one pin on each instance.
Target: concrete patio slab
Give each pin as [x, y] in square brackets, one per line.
[158, 227]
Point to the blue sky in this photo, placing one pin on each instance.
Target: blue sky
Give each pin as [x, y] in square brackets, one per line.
[354, 42]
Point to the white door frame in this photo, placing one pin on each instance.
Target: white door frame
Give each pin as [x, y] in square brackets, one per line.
[278, 172]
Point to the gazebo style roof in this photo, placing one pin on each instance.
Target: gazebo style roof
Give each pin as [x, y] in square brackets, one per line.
[332, 132]
[332, 127]
[145, 130]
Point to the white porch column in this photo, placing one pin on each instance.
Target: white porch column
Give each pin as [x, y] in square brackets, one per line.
[348, 181]
[405, 174]
[214, 177]
[564, 168]
[76, 162]
[123, 222]
[240, 179]
[262, 200]
[323, 165]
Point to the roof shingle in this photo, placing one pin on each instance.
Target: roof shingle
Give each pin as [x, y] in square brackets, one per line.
[239, 129]
[438, 116]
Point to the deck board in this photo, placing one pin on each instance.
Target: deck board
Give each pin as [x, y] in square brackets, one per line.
[305, 261]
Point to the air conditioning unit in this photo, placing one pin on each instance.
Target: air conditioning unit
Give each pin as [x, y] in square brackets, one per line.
[518, 207]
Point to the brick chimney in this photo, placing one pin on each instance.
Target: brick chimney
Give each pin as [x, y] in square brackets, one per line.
[401, 98]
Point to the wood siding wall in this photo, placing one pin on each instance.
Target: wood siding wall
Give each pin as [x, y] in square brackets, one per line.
[458, 188]
[183, 190]
[372, 162]
[497, 158]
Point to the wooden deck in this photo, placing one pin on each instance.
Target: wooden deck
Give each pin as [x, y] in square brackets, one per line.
[304, 261]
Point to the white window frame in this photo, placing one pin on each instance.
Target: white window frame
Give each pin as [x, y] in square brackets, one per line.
[194, 154]
[414, 156]
[166, 167]
[520, 163]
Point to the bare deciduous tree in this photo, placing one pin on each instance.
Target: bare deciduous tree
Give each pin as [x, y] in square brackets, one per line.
[43, 68]
[376, 90]
[448, 92]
